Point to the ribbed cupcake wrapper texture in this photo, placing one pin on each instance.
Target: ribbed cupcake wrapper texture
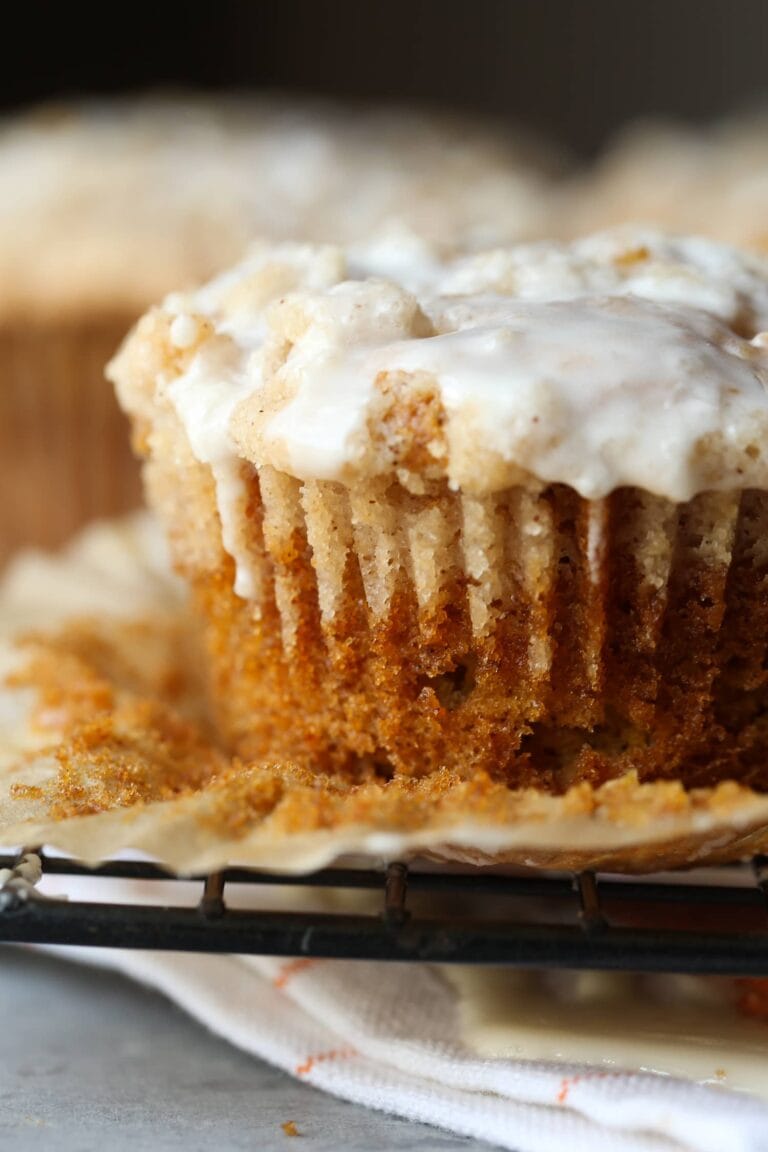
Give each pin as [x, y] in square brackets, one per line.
[64, 441]
[531, 634]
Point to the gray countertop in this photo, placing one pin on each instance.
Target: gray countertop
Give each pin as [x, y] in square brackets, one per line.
[92, 1063]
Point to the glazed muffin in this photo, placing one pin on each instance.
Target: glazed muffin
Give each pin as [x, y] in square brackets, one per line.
[506, 513]
[105, 207]
[711, 180]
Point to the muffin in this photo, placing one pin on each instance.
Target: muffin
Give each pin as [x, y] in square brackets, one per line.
[106, 745]
[711, 180]
[107, 206]
[504, 513]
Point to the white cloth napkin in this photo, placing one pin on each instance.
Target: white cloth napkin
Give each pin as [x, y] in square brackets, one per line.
[388, 1036]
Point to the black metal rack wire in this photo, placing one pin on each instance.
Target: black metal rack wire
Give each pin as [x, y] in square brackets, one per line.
[581, 920]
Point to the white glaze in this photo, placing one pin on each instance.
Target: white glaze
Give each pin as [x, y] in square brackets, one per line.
[205, 399]
[623, 359]
[184, 331]
[596, 393]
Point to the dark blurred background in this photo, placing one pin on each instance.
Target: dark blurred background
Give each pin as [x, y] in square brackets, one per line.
[576, 69]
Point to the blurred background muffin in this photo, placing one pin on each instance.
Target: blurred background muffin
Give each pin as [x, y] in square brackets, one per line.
[105, 206]
[712, 181]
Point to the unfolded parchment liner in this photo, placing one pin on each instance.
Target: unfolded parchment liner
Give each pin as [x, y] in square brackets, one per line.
[105, 746]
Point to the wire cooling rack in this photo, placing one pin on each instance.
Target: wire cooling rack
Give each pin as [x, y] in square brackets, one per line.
[708, 922]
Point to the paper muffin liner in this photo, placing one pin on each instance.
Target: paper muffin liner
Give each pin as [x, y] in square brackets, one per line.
[64, 440]
[105, 745]
[531, 634]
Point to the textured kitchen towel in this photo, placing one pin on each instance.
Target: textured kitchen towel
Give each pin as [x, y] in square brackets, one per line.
[388, 1036]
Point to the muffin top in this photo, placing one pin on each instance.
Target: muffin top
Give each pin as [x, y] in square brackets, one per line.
[625, 359]
[106, 206]
[712, 181]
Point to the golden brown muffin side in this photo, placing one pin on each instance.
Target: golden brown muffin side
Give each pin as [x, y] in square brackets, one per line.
[587, 666]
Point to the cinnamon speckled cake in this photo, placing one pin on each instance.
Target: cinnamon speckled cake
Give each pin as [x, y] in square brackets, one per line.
[506, 514]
